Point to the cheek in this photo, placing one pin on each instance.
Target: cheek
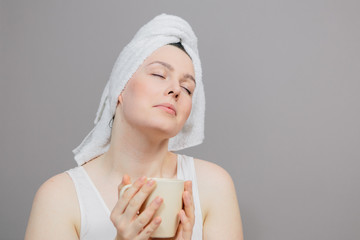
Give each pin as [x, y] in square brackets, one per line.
[187, 109]
[138, 97]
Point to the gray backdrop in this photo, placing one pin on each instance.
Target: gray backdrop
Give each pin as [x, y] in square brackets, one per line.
[282, 81]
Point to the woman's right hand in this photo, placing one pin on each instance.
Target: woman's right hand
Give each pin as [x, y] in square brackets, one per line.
[128, 223]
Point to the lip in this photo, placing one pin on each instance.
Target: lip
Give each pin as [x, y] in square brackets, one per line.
[168, 107]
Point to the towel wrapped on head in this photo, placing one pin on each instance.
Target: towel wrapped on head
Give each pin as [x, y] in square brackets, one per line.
[160, 31]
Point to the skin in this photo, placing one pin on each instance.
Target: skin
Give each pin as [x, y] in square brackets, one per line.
[138, 150]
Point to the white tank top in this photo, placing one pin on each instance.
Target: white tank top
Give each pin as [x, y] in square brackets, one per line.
[95, 215]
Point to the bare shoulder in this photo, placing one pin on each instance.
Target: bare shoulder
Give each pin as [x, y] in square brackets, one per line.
[58, 190]
[59, 182]
[209, 171]
[219, 204]
[211, 176]
[55, 206]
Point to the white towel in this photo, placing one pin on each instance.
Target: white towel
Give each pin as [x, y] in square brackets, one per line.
[160, 31]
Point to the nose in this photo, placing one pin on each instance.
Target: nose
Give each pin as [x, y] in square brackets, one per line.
[174, 90]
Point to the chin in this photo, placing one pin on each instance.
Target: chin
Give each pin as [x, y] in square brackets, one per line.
[164, 129]
[168, 131]
[161, 126]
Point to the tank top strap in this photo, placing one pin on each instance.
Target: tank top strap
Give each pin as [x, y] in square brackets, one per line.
[95, 217]
[186, 171]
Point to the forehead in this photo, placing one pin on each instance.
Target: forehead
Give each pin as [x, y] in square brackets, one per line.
[172, 55]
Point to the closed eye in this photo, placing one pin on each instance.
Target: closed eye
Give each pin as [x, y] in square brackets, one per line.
[187, 90]
[158, 75]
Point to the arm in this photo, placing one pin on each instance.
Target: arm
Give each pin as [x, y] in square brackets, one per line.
[222, 214]
[55, 211]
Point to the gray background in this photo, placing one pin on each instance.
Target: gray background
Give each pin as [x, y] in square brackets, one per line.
[282, 81]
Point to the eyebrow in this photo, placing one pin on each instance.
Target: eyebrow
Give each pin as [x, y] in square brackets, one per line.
[168, 66]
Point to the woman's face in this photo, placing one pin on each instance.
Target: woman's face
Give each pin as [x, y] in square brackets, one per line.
[159, 94]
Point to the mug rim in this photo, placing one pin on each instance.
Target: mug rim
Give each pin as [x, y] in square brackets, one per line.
[167, 179]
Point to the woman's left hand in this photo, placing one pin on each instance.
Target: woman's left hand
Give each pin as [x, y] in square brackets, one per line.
[187, 215]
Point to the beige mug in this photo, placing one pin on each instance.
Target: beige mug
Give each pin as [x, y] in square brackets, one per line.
[170, 190]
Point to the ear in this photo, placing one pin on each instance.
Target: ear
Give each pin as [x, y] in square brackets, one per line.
[120, 100]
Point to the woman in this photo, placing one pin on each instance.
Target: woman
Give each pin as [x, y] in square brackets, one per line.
[155, 102]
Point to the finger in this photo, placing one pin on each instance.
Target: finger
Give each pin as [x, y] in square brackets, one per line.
[185, 225]
[188, 186]
[125, 181]
[131, 191]
[189, 206]
[139, 198]
[122, 203]
[179, 230]
[117, 210]
[145, 217]
[150, 228]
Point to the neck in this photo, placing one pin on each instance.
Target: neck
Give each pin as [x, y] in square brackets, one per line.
[137, 155]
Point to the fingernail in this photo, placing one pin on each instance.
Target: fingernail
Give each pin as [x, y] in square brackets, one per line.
[157, 220]
[142, 179]
[158, 200]
[150, 182]
[182, 214]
